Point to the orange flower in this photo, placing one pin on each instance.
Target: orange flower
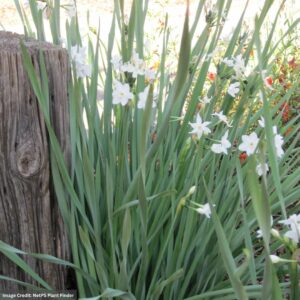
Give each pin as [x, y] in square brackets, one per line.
[211, 76]
[243, 157]
[268, 81]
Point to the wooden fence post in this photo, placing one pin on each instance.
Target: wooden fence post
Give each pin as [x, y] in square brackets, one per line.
[29, 214]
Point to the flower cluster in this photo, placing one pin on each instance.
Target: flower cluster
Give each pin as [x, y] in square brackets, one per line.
[249, 145]
[78, 56]
[136, 67]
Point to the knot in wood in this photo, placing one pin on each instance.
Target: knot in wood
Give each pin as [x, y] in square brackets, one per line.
[28, 159]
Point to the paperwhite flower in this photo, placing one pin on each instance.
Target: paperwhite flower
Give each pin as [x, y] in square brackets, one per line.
[249, 143]
[143, 96]
[121, 93]
[261, 169]
[205, 100]
[223, 146]
[294, 223]
[222, 118]
[278, 140]
[116, 62]
[78, 56]
[200, 128]
[204, 210]
[239, 67]
[228, 62]
[138, 65]
[234, 89]
[127, 67]
[149, 74]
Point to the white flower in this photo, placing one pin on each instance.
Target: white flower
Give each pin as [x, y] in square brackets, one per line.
[261, 122]
[294, 223]
[138, 65]
[239, 66]
[205, 100]
[222, 118]
[234, 89]
[223, 146]
[249, 144]
[278, 140]
[204, 210]
[262, 169]
[200, 127]
[293, 219]
[116, 62]
[149, 74]
[143, 96]
[127, 67]
[228, 62]
[78, 56]
[121, 93]
[275, 259]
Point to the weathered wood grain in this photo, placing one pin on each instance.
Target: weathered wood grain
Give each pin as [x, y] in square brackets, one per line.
[29, 214]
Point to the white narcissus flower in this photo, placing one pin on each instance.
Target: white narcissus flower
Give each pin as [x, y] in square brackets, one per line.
[205, 100]
[116, 62]
[239, 66]
[222, 117]
[150, 74]
[204, 210]
[294, 223]
[200, 128]
[138, 65]
[278, 141]
[143, 96]
[121, 93]
[223, 146]
[249, 143]
[234, 89]
[262, 169]
[228, 62]
[78, 56]
[127, 67]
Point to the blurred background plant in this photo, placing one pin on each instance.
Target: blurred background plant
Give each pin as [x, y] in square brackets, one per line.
[181, 177]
